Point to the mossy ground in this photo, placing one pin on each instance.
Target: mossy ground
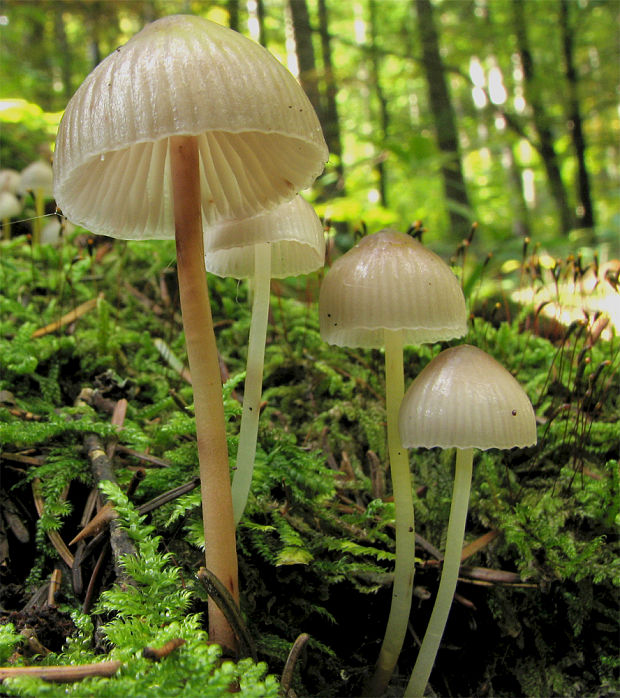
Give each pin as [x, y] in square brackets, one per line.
[537, 608]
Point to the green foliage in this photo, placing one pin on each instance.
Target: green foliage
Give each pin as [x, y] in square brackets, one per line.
[316, 543]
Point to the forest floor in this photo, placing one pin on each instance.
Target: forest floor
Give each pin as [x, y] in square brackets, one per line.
[91, 348]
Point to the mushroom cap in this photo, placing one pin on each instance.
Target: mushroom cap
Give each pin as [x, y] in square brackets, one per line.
[390, 281]
[9, 205]
[465, 398]
[293, 231]
[37, 176]
[10, 181]
[259, 138]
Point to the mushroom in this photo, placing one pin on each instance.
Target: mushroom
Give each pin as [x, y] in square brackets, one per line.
[9, 208]
[287, 241]
[390, 290]
[188, 124]
[464, 399]
[37, 178]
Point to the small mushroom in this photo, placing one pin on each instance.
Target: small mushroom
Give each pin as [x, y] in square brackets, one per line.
[287, 241]
[390, 290]
[9, 208]
[462, 399]
[187, 125]
[37, 178]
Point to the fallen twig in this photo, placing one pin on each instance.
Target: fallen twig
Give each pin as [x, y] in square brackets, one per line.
[68, 318]
[157, 654]
[62, 674]
[225, 602]
[291, 662]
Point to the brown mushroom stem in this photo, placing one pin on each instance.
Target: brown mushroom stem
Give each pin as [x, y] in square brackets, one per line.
[217, 512]
[403, 515]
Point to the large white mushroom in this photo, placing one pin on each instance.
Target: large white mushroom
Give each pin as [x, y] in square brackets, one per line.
[185, 126]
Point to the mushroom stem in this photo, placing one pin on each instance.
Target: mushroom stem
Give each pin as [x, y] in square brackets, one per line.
[39, 210]
[220, 551]
[404, 518]
[253, 379]
[449, 575]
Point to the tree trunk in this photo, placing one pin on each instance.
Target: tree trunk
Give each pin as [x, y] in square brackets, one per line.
[585, 211]
[384, 116]
[305, 54]
[60, 36]
[260, 16]
[233, 14]
[540, 120]
[445, 121]
[332, 124]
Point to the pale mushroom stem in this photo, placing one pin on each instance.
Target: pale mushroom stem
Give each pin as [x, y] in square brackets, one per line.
[404, 518]
[39, 209]
[449, 575]
[219, 529]
[6, 228]
[253, 379]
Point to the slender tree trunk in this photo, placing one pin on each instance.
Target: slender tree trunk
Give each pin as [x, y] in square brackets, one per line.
[332, 123]
[521, 216]
[540, 120]
[260, 16]
[445, 121]
[384, 116]
[60, 36]
[233, 14]
[305, 54]
[586, 211]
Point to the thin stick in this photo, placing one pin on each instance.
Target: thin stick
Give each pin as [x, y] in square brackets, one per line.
[217, 512]
[449, 576]
[62, 674]
[253, 380]
[404, 519]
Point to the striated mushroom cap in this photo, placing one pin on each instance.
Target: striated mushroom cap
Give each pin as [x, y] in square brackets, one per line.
[465, 398]
[259, 138]
[10, 181]
[9, 205]
[37, 177]
[390, 281]
[293, 231]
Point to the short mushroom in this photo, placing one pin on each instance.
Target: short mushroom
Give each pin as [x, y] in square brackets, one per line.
[9, 208]
[390, 290]
[37, 178]
[286, 241]
[463, 399]
[187, 125]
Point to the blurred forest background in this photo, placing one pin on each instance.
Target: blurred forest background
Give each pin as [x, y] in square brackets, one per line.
[504, 112]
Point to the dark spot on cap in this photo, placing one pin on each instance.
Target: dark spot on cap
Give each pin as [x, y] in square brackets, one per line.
[514, 413]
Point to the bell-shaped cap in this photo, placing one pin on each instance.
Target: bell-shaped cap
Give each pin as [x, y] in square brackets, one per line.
[9, 205]
[465, 399]
[10, 181]
[293, 231]
[37, 177]
[390, 281]
[259, 138]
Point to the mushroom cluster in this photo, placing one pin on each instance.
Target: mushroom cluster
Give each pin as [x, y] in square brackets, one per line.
[387, 291]
[186, 126]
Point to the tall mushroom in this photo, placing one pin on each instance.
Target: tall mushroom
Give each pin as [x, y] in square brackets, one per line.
[464, 399]
[286, 241]
[387, 291]
[188, 124]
